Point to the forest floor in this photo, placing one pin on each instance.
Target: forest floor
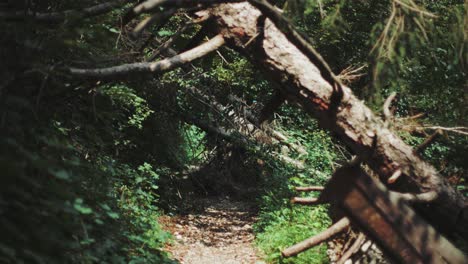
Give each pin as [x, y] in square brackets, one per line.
[213, 230]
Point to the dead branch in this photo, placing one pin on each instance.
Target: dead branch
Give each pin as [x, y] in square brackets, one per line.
[147, 22]
[426, 197]
[416, 116]
[353, 249]
[395, 176]
[147, 67]
[415, 8]
[324, 236]
[428, 141]
[309, 188]
[306, 201]
[458, 130]
[60, 16]
[386, 108]
[169, 42]
[351, 74]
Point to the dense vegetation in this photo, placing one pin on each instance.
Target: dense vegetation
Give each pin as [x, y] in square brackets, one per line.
[87, 166]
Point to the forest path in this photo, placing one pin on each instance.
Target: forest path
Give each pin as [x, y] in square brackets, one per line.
[215, 230]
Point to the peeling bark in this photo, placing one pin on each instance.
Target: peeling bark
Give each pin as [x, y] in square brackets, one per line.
[350, 119]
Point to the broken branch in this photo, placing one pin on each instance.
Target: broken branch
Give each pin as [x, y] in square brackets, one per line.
[147, 22]
[353, 249]
[146, 67]
[427, 142]
[426, 197]
[395, 176]
[386, 108]
[333, 230]
[309, 188]
[306, 200]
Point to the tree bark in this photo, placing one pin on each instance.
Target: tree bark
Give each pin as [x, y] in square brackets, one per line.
[248, 31]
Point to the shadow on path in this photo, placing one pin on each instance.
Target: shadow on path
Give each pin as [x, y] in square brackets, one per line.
[220, 231]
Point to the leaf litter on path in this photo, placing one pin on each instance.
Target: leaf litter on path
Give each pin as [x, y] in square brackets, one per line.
[220, 232]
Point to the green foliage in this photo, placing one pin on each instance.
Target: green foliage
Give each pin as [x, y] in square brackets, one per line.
[125, 98]
[281, 224]
[86, 165]
[290, 226]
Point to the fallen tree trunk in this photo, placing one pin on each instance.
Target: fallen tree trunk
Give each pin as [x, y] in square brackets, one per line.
[248, 31]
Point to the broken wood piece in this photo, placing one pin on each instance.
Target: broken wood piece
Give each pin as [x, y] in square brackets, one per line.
[333, 230]
[395, 176]
[386, 108]
[309, 188]
[426, 197]
[306, 200]
[386, 218]
[353, 249]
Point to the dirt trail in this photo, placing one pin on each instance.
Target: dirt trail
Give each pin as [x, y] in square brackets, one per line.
[220, 231]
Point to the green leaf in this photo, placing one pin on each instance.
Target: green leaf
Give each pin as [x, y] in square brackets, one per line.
[113, 215]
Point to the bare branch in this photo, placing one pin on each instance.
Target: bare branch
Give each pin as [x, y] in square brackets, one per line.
[353, 249]
[147, 22]
[146, 67]
[416, 116]
[326, 235]
[170, 41]
[458, 130]
[60, 16]
[426, 197]
[415, 8]
[351, 74]
[309, 188]
[306, 201]
[395, 176]
[428, 141]
[386, 108]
